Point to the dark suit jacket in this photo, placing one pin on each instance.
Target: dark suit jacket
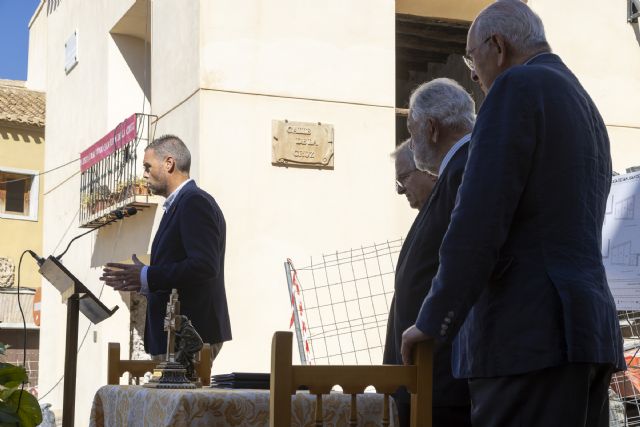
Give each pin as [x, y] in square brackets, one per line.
[521, 271]
[417, 265]
[188, 254]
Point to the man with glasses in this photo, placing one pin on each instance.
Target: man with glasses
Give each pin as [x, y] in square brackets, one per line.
[441, 116]
[415, 184]
[521, 285]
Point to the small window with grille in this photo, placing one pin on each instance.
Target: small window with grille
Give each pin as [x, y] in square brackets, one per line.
[18, 194]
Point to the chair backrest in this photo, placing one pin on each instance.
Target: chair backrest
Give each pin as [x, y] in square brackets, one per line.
[137, 368]
[286, 378]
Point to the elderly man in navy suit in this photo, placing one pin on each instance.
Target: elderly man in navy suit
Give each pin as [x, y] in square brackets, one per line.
[441, 116]
[187, 252]
[414, 184]
[521, 280]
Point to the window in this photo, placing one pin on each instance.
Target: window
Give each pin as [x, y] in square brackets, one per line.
[19, 194]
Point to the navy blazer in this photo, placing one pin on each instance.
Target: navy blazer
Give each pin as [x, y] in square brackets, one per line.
[521, 274]
[188, 254]
[417, 265]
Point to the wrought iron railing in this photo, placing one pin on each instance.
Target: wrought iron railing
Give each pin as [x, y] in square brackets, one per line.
[111, 176]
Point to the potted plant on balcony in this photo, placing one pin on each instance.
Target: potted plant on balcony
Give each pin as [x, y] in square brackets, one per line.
[123, 191]
[140, 187]
[17, 406]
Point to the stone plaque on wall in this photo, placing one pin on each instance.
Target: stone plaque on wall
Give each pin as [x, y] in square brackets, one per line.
[301, 144]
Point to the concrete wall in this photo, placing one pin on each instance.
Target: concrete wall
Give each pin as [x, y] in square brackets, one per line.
[22, 148]
[79, 112]
[220, 72]
[37, 60]
[594, 39]
[334, 50]
[261, 63]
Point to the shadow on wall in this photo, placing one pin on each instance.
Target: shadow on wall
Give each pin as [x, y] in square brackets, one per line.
[17, 135]
[636, 31]
[118, 241]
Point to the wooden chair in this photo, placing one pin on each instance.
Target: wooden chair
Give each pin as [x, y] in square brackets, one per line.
[286, 378]
[137, 368]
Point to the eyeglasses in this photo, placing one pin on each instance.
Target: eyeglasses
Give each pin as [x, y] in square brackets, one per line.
[400, 180]
[467, 56]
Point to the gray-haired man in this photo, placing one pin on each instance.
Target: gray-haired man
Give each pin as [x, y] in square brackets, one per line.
[521, 280]
[441, 116]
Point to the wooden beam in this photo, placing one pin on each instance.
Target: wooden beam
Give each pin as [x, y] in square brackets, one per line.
[428, 45]
[435, 22]
[419, 56]
[450, 35]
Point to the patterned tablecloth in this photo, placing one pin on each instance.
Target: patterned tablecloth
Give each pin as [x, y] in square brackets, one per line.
[131, 406]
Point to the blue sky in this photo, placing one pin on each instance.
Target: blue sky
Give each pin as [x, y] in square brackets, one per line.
[14, 37]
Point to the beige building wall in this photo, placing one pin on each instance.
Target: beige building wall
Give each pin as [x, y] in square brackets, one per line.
[594, 39]
[37, 59]
[218, 81]
[22, 149]
[84, 107]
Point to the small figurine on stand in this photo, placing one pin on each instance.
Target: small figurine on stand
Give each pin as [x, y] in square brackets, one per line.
[188, 343]
[171, 374]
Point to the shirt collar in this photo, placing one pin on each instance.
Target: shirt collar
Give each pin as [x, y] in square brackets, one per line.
[453, 151]
[536, 56]
[172, 197]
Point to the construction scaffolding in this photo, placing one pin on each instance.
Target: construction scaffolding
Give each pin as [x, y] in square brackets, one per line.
[341, 304]
[624, 401]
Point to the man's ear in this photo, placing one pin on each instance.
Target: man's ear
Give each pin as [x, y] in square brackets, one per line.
[501, 47]
[170, 164]
[433, 125]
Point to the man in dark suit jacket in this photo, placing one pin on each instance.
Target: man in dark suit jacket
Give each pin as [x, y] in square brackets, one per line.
[448, 112]
[187, 252]
[521, 275]
[416, 186]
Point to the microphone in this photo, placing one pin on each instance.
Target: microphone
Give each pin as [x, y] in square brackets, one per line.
[121, 213]
[37, 257]
[116, 214]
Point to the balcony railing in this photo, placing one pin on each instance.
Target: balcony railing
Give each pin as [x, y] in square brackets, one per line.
[111, 176]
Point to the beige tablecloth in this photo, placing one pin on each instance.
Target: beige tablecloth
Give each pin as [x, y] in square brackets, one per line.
[131, 406]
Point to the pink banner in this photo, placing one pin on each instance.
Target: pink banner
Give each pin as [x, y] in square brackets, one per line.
[123, 134]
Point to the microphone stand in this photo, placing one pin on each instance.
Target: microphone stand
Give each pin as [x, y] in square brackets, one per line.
[119, 214]
[78, 299]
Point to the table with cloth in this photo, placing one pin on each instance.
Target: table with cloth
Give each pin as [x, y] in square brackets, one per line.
[131, 406]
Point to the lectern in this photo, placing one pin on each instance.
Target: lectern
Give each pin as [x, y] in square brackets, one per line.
[78, 299]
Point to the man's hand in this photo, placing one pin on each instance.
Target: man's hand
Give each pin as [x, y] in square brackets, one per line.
[123, 277]
[410, 338]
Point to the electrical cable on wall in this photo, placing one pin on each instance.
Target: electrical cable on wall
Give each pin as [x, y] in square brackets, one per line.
[137, 140]
[41, 173]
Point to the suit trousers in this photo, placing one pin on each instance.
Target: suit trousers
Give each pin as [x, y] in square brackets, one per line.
[571, 395]
[443, 416]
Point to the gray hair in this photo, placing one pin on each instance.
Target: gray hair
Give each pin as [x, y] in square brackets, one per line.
[516, 22]
[403, 151]
[444, 100]
[172, 146]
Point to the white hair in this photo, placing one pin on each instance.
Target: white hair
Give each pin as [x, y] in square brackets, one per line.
[403, 151]
[516, 22]
[444, 100]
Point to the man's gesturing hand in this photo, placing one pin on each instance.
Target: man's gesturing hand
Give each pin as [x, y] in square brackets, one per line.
[410, 338]
[123, 277]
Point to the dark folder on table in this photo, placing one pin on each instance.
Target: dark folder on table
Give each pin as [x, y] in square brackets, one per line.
[241, 380]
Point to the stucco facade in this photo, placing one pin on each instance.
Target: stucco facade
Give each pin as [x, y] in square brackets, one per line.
[595, 41]
[21, 153]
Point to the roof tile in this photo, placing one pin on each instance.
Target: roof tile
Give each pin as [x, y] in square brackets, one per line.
[21, 105]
